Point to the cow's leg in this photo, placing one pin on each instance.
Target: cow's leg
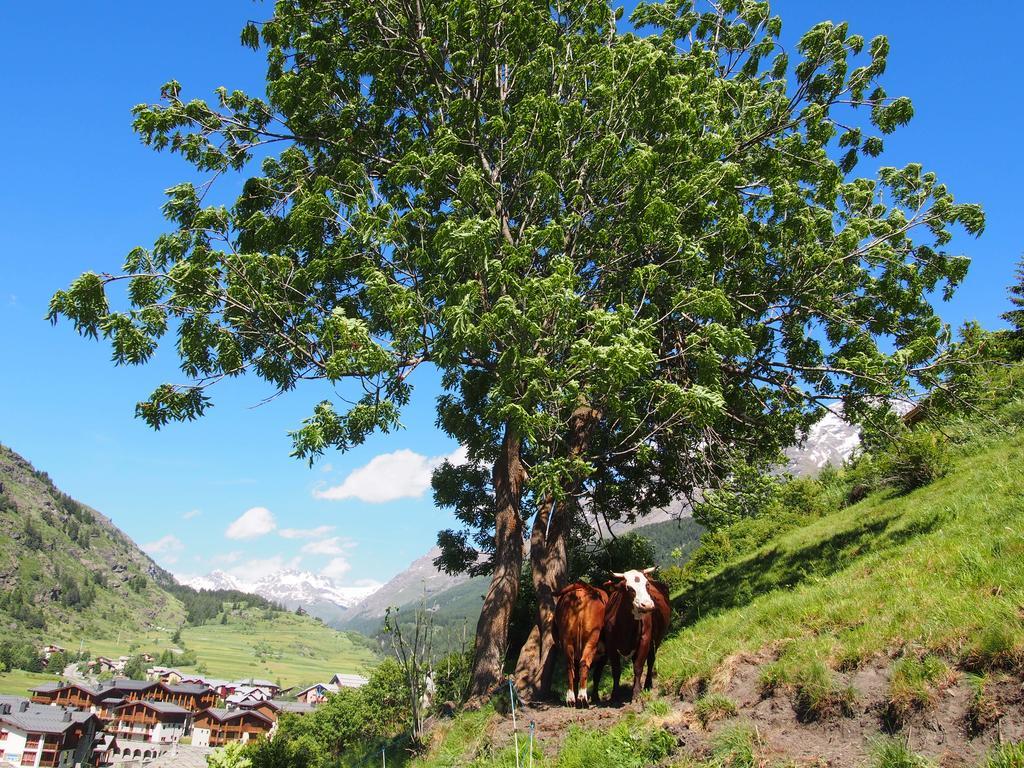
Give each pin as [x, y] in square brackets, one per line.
[598, 669]
[570, 671]
[586, 659]
[643, 648]
[649, 682]
[616, 661]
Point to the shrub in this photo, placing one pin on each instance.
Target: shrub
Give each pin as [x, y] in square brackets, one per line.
[893, 753]
[1006, 756]
[916, 459]
[982, 709]
[914, 686]
[712, 707]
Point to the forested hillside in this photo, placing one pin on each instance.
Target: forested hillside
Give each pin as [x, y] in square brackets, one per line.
[65, 570]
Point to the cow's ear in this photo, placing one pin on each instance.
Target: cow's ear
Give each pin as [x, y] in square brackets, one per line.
[649, 571]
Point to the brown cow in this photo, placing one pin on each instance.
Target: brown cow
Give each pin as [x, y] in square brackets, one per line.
[579, 619]
[636, 619]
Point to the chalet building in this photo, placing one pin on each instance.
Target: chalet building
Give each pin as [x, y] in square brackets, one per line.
[349, 681]
[269, 687]
[72, 695]
[44, 736]
[216, 727]
[104, 699]
[316, 693]
[166, 675]
[268, 708]
[146, 729]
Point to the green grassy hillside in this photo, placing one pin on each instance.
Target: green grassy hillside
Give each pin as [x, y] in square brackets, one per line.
[941, 568]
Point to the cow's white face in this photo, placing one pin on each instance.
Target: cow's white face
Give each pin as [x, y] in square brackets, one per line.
[636, 584]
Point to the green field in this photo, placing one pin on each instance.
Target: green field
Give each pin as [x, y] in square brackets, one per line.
[295, 649]
[17, 681]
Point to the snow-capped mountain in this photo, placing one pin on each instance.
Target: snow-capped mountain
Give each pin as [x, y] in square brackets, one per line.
[212, 580]
[315, 594]
[293, 588]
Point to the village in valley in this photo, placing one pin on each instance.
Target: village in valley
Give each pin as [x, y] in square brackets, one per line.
[165, 720]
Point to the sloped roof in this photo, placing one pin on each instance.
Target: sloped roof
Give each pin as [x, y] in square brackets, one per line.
[223, 715]
[42, 718]
[349, 681]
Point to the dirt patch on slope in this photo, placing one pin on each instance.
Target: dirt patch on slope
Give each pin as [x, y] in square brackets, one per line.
[942, 732]
[945, 732]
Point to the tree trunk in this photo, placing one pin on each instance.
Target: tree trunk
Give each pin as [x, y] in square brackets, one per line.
[549, 570]
[548, 567]
[492, 628]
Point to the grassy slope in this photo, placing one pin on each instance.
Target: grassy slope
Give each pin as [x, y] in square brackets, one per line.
[17, 682]
[940, 567]
[34, 570]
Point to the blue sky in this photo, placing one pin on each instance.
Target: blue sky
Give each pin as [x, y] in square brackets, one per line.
[80, 191]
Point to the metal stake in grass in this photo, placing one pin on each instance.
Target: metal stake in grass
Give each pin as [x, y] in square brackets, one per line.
[532, 726]
[515, 732]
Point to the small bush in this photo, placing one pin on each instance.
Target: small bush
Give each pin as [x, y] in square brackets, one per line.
[982, 710]
[736, 747]
[712, 707]
[916, 459]
[893, 753]
[1006, 756]
[914, 686]
[817, 695]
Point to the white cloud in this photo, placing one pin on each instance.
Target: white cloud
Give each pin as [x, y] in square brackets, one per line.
[192, 513]
[403, 474]
[336, 568]
[227, 557]
[306, 533]
[332, 546]
[254, 522]
[166, 547]
[328, 467]
[251, 571]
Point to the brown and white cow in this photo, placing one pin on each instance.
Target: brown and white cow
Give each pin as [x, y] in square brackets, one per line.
[579, 620]
[636, 619]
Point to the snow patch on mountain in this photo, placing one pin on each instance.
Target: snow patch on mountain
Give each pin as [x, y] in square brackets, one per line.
[315, 594]
[306, 588]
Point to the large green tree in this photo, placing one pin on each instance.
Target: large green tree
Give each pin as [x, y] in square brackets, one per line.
[634, 260]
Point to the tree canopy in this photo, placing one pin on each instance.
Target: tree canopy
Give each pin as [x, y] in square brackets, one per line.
[635, 259]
